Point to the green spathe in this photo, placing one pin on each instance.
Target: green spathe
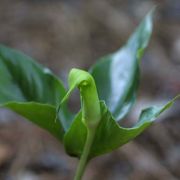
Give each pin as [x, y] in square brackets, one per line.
[91, 113]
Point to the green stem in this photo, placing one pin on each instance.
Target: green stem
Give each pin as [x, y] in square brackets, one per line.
[84, 157]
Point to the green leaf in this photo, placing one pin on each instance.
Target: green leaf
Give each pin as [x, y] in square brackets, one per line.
[117, 75]
[23, 80]
[42, 115]
[109, 135]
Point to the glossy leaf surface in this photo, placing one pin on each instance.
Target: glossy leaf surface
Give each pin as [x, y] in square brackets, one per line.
[117, 75]
[110, 135]
[24, 80]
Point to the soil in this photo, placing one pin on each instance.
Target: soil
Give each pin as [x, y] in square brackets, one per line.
[62, 34]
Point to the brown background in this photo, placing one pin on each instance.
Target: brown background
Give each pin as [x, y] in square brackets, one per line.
[62, 34]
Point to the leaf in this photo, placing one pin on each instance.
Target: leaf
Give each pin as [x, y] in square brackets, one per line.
[23, 80]
[28, 80]
[109, 135]
[42, 115]
[117, 75]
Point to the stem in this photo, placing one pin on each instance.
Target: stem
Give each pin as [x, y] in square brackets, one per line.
[84, 157]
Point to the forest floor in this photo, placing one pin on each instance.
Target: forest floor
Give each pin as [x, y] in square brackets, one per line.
[65, 34]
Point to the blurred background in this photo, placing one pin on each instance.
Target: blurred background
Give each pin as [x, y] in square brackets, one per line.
[62, 34]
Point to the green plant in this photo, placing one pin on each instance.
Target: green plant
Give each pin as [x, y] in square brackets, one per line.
[107, 91]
